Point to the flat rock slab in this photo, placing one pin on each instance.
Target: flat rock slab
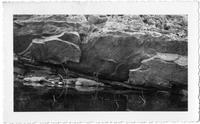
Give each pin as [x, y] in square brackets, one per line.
[26, 31]
[161, 71]
[52, 50]
[87, 82]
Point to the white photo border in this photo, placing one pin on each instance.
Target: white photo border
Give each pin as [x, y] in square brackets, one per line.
[134, 8]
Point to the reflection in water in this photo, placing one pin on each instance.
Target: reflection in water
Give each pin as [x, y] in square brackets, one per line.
[28, 98]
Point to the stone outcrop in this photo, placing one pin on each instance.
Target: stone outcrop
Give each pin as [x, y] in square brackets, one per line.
[52, 50]
[162, 70]
[26, 31]
[144, 58]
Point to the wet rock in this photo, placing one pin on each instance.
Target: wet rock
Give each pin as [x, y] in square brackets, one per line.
[87, 82]
[53, 50]
[88, 89]
[33, 84]
[34, 79]
[160, 71]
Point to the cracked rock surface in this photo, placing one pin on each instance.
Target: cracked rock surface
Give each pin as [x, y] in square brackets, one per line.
[146, 50]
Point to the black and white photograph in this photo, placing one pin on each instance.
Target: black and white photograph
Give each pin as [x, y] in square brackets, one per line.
[100, 62]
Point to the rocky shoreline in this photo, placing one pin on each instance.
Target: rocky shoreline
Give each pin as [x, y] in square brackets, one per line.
[148, 51]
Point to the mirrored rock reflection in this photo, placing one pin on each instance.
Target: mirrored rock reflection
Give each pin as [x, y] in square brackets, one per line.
[30, 98]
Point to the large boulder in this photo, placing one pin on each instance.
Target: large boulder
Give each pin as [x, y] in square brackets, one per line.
[26, 31]
[162, 70]
[110, 56]
[106, 53]
[52, 50]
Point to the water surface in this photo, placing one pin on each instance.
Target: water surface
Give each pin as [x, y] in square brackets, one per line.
[29, 98]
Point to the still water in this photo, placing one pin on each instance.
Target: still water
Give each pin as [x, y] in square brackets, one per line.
[29, 98]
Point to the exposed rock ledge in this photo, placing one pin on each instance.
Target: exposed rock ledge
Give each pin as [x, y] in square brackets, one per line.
[153, 60]
[162, 70]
